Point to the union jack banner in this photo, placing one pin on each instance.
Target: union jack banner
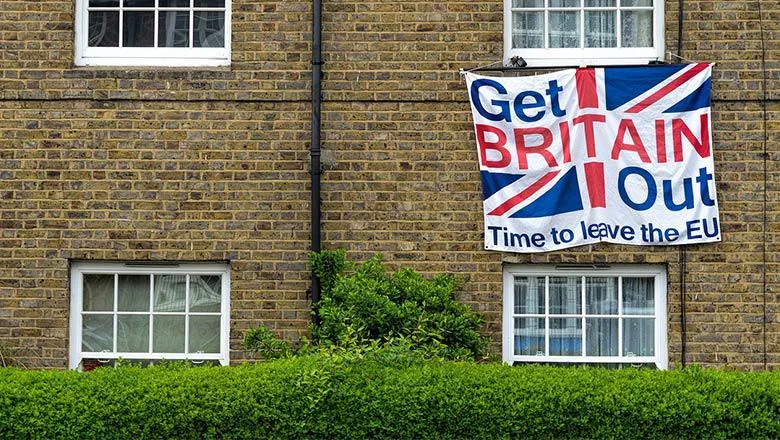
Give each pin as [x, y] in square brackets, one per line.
[580, 156]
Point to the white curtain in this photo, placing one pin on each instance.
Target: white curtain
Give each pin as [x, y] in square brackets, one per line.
[601, 337]
[529, 336]
[564, 29]
[600, 29]
[565, 333]
[565, 337]
[565, 295]
[638, 296]
[528, 30]
[601, 295]
[638, 337]
[529, 295]
[636, 28]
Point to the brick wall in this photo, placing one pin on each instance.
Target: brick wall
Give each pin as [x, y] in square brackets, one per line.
[212, 164]
[146, 180]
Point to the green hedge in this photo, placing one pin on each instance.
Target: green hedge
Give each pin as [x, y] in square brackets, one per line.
[318, 397]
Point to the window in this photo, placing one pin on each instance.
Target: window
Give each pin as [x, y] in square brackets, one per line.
[614, 315]
[153, 32]
[583, 32]
[136, 311]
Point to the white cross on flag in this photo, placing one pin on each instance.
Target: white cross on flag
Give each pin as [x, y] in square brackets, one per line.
[617, 154]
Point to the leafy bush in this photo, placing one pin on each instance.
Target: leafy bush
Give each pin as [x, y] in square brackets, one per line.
[262, 341]
[366, 308]
[334, 397]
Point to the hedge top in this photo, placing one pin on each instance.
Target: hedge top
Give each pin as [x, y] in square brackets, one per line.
[387, 397]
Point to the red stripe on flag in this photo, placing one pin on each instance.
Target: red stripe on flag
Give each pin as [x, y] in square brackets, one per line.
[665, 90]
[586, 88]
[524, 194]
[594, 177]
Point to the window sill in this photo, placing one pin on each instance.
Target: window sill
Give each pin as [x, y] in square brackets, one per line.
[541, 63]
[173, 63]
[540, 58]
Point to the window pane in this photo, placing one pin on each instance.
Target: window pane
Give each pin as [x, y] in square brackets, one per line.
[98, 293]
[638, 296]
[169, 293]
[132, 333]
[168, 334]
[204, 334]
[133, 293]
[527, 30]
[529, 336]
[565, 295]
[174, 3]
[637, 28]
[209, 3]
[564, 3]
[599, 3]
[205, 293]
[209, 29]
[564, 29]
[600, 29]
[601, 336]
[565, 337]
[139, 3]
[527, 3]
[529, 295]
[638, 337]
[174, 29]
[103, 3]
[601, 294]
[138, 29]
[97, 333]
[103, 29]
[629, 3]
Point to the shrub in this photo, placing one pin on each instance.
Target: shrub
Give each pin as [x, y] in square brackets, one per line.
[330, 397]
[370, 304]
[262, 341]
[365, 308]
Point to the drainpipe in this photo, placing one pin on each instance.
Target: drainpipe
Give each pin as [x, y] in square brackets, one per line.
[316, 171]
[679, 29]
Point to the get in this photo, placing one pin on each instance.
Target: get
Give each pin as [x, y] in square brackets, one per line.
[529, 106]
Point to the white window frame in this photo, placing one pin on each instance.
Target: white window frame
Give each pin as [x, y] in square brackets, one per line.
[149, 56]
[78, 269]
[574, 57]
[658, 272]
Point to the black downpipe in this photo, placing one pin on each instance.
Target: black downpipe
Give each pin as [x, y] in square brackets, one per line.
[679, 29]
[683, 323]
[316, 150]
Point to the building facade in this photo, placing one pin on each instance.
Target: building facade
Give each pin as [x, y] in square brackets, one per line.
[155, 196]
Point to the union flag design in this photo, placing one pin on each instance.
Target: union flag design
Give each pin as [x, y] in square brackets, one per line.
[623, 146]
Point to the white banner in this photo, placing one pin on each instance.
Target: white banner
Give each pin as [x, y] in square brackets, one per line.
[622, 155]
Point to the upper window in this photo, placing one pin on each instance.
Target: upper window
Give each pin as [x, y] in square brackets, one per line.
[153, 32]
[583, 32]
[141, 312]
[614, 315]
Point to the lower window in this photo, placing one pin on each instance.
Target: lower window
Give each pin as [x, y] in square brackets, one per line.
[149, 312]
[603, 315]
